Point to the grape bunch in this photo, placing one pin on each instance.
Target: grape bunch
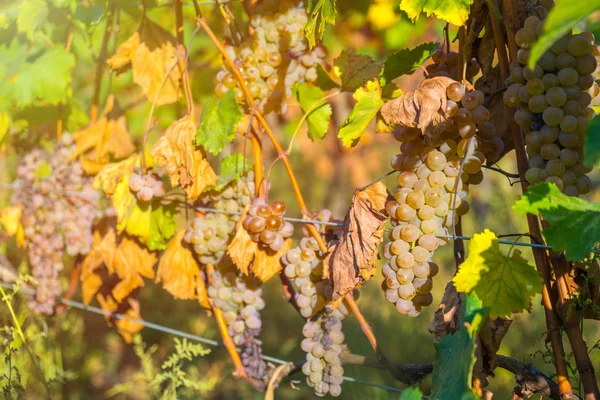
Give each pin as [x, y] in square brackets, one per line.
[240, 299]
[210, 235]
[430, 193]
[59, 208]
[553, 105]
[274, 58]
[323, 346]
[266, 225]
[146, 186]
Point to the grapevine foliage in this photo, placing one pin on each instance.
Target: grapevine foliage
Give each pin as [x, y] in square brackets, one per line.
[189, 195]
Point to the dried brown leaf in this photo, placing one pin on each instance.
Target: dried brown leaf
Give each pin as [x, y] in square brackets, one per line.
[179, 271]
[352, 259]
[187, 167]
[488, 343]
[130, 309]
[422, 108]
[151, 54]
[446, 318]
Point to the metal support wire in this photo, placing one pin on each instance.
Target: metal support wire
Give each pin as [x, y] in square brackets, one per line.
[178, 333]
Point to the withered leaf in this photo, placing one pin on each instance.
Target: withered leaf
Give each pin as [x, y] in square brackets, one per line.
[187, 167]
[488, 343]
[179, 271]
[352, 259]
[107, 137]
[447, 317]
[423, 108]
[130, 309]
[151, 54]
[248, 258]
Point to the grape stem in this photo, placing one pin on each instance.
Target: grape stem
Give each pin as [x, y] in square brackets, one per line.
[240, 371]
[100, 65]
[500, 45]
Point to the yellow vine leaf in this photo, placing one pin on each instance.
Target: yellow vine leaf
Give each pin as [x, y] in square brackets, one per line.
[454, 11]
[107, 137]
[151, 54]
[126, 327]
[10, 217]
[186, 166]
[248, 258]
[504, 283]
[112, 174]
[179, 272]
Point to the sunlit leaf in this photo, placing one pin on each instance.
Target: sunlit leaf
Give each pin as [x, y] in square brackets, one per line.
[368, 102]
[319, 110]
[405, 62]
[10, 218]
[162, 226]
[575, 223]
[218, 123]
[355, 70]
[32, 16]
[504, 283]
[232, 167]
[454, 11]
[320, 13]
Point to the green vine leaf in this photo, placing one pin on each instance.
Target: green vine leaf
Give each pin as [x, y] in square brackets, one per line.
[561, 19]
[162, 226]
[320, 13]
[405, 62]
[355, 70]
[26, 83]
[454, 11]
[32, 15]
[411, 394]
[319, 110]
[324, 79]
[368, 102]
[504, 283]
[575, 223]
[591, 150]
[232, 167]
[455, 355]
[219, 120]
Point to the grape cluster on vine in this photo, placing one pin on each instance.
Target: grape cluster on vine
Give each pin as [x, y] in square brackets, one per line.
[432, 184]
[59, 208]
[553, 104]
[240, 299]
[146, 186]
[273, 58]
[266, 225]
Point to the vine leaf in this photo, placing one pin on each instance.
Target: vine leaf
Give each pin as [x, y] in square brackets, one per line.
[325, 80]
[422, 108]
[162, 226]
[219, 120]
[352, 259]
[25, 83]
[32, 15]
[411, 394]
[107, 137]
[405, 62]
[10, 218]
[180, 273]
[575, 223]
[591, 150]
[248, 258]
[319, 110]
[561, 19]
[368, 102]
[320, 13]
[454, 11]
[187, 167]
[130, 309]
[355, 70]
[505, 284]
[455, 355]
[232, 167]
[150, 53]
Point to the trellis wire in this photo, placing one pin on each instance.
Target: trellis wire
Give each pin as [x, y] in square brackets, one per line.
[176, 332]
[337, 224]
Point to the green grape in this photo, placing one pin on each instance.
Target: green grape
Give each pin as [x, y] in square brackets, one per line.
[533, 176]
[569, 123]
[405, 260]
[547, 62]
[548, 134]
[585, 99]
[511, 95]
[572, 107]
[523, 117]
[401, 193]
[415, 199]
[516, 75]
[586, 64]
[480, 115]
[407, 179]
[552, 116]
[536, 73]
[405, 213]
[538, 104]
[550, 81]
[419, 253]
[463, 116]
[429, 243]
[437, 179]
[433, 197]
[532, 139]
[423, 172]
[550, 151]
[409, 233]
[407, 291]
[476, 179]
[441, 210]
[399, 246]
[568, 77]
[525, 38]
[571, 190]
[578, 46]
[565, 60]
[523, 56]
[568, 139]
[435, 161]
[583, 184]
[451, 182]
[472, 165]
[429, 226]
[537, 162]
[585, 82]
[555, 167]
[557, 181]
[524, 95]
[560, 46]
[426, 212]
[569, 177]
[451, 108]
[531, 23]
[487, 130]
[535, 87]
[467, 131]
[572, 92]
[470, 101]
[405, 275]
